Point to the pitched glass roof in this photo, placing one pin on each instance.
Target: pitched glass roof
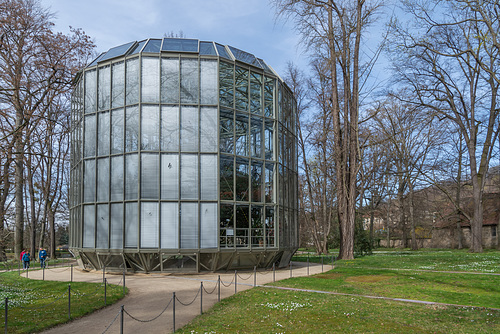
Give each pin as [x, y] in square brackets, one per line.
[167, 44]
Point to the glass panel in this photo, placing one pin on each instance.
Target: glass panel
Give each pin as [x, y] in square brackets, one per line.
[209, 172]
[242, 184]
[132, 79]
[226, 84]
[241, 135]
[89, 181]
[226, 225]
[131, 224]
[241, 88]
[152, 46]
[170, 176]
[207, 48]
[226, 178]
[269, 140]
[149, 225]
[242, 225]
[117, 178]
[255, 93]
[256, 181]
[189, 176]
[150, 128]
[103, 180]
[189, 80]
[180, 44]
[269, 183]
[90, 91]
[102, 226]
[150, 168]
[97, 59]
[169, 80]
[257, 227]
[150, 79]
[256, 137]
[117, 131]
[90, 136]
[117, 51]
[138, 47]
[226, 139]
[131, 129]
[208, 129]
[131, 176]
[88, 226]
[270, 226]
[244, 56]
[208, 76]
[189, 129]
[103, 134]
[189, 225]
[116, 226]
[208, 225]
[104, 88]
[222, 51]
[170, 129]
[170, 225]
[269, 97]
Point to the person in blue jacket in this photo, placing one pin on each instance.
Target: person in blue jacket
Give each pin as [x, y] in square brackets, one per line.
[26, 260]
[42, 256]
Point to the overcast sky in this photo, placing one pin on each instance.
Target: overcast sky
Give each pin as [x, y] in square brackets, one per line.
[249, 25]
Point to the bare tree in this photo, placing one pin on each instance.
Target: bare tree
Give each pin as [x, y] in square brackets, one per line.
[36, 65]
[449, 58]
[335, 29]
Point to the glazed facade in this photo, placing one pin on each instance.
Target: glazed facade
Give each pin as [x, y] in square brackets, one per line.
[184, 158]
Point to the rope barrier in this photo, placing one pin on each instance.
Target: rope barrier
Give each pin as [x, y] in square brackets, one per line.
[227, 286]
[153, 319]
[215, 287]
[112, 322]
[183, 304]
[245, 278]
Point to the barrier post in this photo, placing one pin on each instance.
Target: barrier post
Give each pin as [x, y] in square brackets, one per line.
[201, 298]
[332, 261]
[6, 312]
[69, 301]
[124, 282]
[121, 320]
[105, 286]
[103, 273]
[290, 268]
[254, 275]
[307, 265]
[173, 310]
[71, 273]
[235, 281]
[218, 282]
[321, 263]
[43, 273]
[274, 272]
[27, 271]
[19, 268]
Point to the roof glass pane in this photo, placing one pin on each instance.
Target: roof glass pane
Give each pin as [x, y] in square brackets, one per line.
[264, 66]
[117, 51]
[244, 56]
[222, 51]
[180, 44]
[152, 46]
[207, 48]
[97, 59]
[138, 48]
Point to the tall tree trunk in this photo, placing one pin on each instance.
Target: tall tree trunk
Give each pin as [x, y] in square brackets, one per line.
[414, 245]
[52, 248]
[32, 204]
[19, 184]
[458, 196]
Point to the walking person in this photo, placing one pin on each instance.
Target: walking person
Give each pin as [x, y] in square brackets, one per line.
[26, 260]
[42, 256]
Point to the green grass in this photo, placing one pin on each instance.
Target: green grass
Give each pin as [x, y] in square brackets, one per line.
[266, 310]
[34, 305]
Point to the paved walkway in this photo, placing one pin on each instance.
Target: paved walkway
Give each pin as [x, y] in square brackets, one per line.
[149, 294]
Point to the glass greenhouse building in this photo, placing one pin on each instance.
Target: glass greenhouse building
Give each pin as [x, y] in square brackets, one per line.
[184, 158]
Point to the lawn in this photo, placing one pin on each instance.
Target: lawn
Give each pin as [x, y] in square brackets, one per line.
[396, 274]
[34, 305]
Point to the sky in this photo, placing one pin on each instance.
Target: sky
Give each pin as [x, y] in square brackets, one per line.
[249, 25]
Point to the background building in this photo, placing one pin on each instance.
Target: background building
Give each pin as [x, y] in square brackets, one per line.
[184, 158]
